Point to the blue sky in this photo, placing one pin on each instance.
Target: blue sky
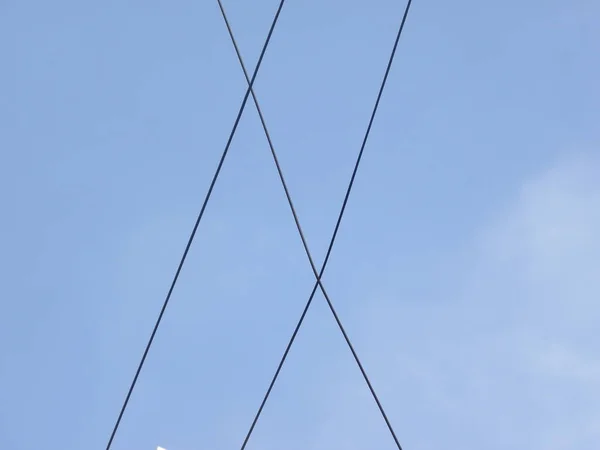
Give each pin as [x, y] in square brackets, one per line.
[466, 268]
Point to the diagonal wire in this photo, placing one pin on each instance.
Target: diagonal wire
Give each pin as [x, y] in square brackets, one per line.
[196, 224]
[318, 274]
[299, 228]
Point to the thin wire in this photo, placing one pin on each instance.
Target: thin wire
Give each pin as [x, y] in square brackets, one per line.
[197, 223]
[318, 274]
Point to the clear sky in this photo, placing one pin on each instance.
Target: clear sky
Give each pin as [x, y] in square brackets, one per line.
[467, 269]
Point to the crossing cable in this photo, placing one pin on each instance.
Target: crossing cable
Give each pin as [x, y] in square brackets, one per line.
[196, 224]
[318, 274]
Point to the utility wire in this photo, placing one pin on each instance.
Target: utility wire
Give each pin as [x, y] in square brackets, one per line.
[318, 274]
[196, 224]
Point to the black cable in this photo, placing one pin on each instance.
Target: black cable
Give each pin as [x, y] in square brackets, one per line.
[197, 223]
[317, 274]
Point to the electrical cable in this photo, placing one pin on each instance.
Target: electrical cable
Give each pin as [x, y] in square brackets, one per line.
[318, 274]
[195, 228]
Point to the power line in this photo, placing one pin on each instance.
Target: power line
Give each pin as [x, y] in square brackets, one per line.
[318, 274]
[195, 228]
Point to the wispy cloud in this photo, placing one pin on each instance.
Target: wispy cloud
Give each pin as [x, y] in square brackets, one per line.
[511, 356]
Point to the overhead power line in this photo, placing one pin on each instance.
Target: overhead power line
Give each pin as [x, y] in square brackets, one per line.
[195, 228]
[318, 274]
